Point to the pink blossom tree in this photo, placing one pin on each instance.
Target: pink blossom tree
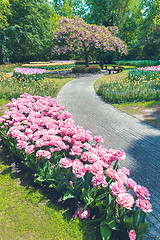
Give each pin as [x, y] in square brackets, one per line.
[76, 36]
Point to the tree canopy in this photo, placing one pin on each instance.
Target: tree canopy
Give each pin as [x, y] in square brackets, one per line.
[4, 12]
[76, 36]
[28, 36]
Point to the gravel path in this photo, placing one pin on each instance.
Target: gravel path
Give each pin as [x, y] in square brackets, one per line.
[140, 141]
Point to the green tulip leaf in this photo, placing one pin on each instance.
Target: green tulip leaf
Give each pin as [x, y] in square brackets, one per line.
[142, 228]
[128, 222]
[105, 231]
[114, 225]
[68, 195]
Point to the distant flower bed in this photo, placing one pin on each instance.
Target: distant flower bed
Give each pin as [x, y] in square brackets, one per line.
[138, 63]
[83, 69]
[152, 68]
[43, 135]
[55, 65]
[55, 62]
[23, 74]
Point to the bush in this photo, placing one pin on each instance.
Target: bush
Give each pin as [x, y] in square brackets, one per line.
[83, 69]
[44, 137]
[138, 63]
[80, 62]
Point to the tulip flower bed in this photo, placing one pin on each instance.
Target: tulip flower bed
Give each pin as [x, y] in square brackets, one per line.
[139, 86]
[24, 74]
[142, 74]
[152, 68]
[65, 157]
[55, 65]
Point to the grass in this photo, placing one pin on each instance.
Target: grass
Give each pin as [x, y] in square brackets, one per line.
[136, 108]
[140, 110]
[149, 104]
[3, 101]
[110, 77]
[58, 81]
[9, 67]
[27, 213]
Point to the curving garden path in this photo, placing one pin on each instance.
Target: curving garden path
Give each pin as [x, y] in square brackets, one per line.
[140, 141]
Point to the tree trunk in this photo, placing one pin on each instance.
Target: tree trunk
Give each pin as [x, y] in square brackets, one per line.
[86, 53]
[1, 56]
[87, 59]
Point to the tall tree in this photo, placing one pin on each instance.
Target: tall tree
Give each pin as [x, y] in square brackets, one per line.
[110, 12]
[4, 13]
[76, 36]
[29, 34]
[70, 8]
[150, 29]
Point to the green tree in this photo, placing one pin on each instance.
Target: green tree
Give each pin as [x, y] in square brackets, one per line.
[109, 13]
[29, 34]
[150, 29]
[135, 20]
[4, 13]
[69, 8]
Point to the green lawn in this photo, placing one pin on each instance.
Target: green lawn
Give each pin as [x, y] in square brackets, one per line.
[27, 213]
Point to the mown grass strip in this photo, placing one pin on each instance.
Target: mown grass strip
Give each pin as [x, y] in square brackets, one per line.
[26, 213]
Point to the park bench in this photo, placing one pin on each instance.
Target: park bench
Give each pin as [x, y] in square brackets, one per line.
[115, 69]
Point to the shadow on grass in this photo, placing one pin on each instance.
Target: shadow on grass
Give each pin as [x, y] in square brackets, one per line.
[50, 197]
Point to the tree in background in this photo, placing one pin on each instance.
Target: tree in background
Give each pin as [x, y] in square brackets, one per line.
[109, 13]
[150, 29]
[70, 8]
[135, 20]
[76, 36]
[29, 34]
[4, 13]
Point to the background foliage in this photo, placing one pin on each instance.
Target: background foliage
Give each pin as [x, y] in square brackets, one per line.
[26, 27]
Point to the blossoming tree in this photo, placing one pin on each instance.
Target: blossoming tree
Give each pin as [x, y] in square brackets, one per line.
[76, 36]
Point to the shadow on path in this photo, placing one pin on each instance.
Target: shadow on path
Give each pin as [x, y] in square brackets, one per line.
[150, 178]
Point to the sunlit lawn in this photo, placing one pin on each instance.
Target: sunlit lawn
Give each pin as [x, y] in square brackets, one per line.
[27, 213]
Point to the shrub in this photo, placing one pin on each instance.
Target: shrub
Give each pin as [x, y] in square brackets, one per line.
[83, 69]
[23, 74]
[138, 63]
[44, 137]
[80, 62]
